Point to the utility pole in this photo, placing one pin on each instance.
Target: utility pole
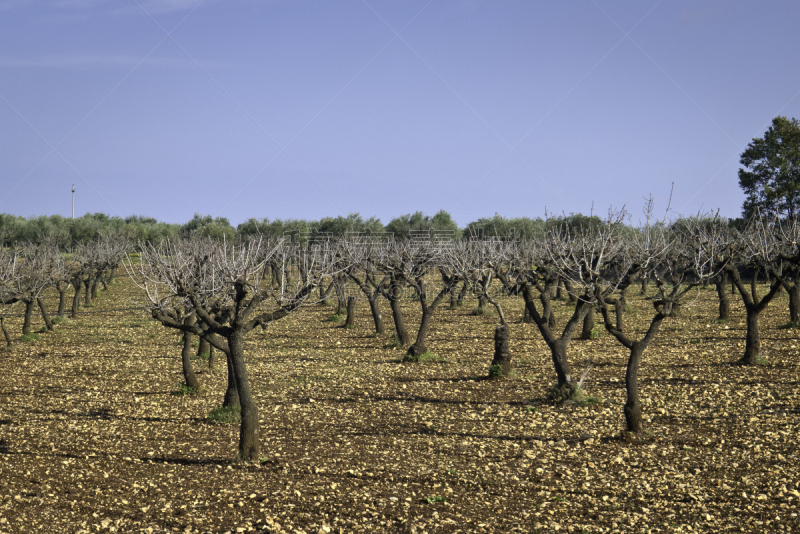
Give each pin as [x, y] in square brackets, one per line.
[73, 201]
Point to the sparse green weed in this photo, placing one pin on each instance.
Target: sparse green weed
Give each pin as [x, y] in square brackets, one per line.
[225, 415]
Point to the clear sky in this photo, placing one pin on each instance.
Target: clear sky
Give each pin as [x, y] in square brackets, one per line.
[306, 108]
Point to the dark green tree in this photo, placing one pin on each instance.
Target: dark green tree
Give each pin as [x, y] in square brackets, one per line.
[440, 224]
[771, 174]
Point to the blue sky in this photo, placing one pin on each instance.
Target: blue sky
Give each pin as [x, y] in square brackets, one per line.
[307, 109]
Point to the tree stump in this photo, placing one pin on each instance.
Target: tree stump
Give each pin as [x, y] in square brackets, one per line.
[501, 364]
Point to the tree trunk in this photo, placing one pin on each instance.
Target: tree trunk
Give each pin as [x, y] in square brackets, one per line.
[724, 302]
[645, 281]
[619, 310]
[205, 350]
[633, 406]
[323, 295]
[9, 344]
[419, 347]
[211, 360]
[95, 285]
[45, 315]
[453, 297]
[189, 377]
[558, 351]
[397, 315]
[794, 302]
[377, 317]
[588, 325]
[526, 315]
[752, 347]
[463, 292]
[350, 322]
[62, 299]
[341, 298]
[88, 283]
[26, 322]
[203, 347]
[231, 392]
[481, 303]
[560, 289]
[570, 291]
[76, 298]
[248, 431]
[501, 363]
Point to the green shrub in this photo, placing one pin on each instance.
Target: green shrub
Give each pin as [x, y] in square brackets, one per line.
[185, 389]
[29, 337]
[334, 318]
[225, 415]
[597, 331]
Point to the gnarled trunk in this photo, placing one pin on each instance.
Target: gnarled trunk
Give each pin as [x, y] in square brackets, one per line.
[420, 347]
[724, 302]
[231, 398]
[76, 298]
[62, 299]
[501, 363]
[9, 344]
[189, 377]
[26, 322]
[45, 314]
[248, 431]
[588, 326]
[794, 302]
[752, 346]
[633, 405]
[88, 283]
[397, 315]
[377, 316]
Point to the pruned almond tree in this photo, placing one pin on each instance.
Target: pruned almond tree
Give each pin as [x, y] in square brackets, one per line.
[8, 261]
[677, 261]
[414, 264]
[756, 251]
[224, 286]
[572, 253]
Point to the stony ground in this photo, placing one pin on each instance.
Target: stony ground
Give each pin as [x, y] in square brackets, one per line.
[94, 438]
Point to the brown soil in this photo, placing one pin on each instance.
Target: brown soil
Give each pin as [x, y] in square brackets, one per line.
[93, 438]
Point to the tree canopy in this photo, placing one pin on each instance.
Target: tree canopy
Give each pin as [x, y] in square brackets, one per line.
[771, 174]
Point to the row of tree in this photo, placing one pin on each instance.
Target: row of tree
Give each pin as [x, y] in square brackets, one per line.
[67, 233]
[220, 291]
[27, 271]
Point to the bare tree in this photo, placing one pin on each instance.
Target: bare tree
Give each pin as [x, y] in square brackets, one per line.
[572, 253]
[225, 287]
[677, 263]
[360, 253]
[8, 263]
[755, 249]
[413, 262]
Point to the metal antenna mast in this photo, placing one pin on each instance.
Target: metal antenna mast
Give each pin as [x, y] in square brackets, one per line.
[73, 201]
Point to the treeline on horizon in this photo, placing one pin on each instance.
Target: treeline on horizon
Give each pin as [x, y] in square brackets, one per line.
[68, 232]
